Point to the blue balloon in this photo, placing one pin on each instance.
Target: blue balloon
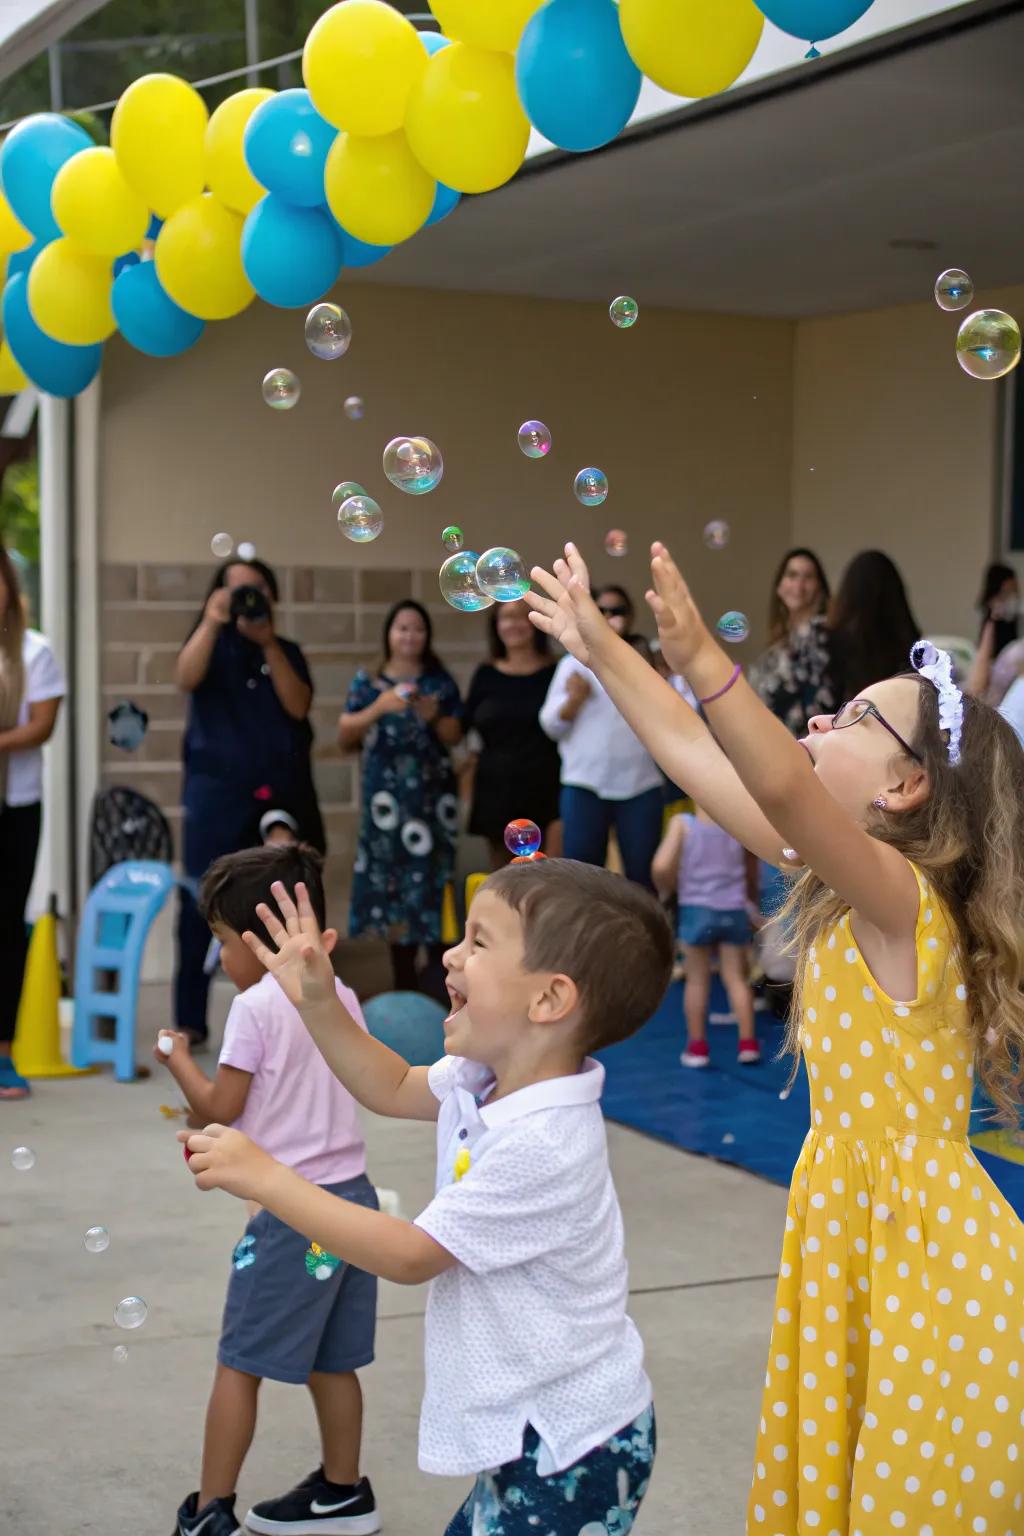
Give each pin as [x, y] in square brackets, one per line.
[22, 261]
[129, 259]
[433, 42]
[291, 255]
[155, 226]
[32, 154]
[149, 320]
[813, 19]
[576, 81]
[52, 366]
[356, 253]
[445, 199]
[286, 145]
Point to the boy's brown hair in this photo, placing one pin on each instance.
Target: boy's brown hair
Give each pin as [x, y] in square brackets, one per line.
[609, 935]
[233, 885]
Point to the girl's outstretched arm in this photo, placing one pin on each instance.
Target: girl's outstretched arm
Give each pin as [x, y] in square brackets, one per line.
[672, 732]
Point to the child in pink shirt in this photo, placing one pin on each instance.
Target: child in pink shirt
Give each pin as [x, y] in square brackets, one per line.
[293, 1313]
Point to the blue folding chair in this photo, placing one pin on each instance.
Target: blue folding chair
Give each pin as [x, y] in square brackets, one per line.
[118, 915]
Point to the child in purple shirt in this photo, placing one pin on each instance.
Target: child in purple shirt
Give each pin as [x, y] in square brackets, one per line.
[294, 1312]
[710, 873]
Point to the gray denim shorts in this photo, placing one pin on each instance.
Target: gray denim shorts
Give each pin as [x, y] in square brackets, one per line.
[292, 1308]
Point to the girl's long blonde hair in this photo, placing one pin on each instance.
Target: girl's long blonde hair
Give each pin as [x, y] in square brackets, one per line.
[12, 636]
[968, 839]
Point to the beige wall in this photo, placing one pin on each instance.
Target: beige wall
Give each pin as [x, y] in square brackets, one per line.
[667, 410]
[895, 447]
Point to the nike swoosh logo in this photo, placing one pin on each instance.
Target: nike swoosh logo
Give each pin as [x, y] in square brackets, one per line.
[316, 1508]
[197, 1528]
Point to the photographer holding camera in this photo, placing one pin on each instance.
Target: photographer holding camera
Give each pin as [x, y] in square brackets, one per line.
[246, 750]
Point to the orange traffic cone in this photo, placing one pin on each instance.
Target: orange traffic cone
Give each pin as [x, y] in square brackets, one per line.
[37, 1033]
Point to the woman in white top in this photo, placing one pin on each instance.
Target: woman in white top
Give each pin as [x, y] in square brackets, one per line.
[31, 688]
[608, 777]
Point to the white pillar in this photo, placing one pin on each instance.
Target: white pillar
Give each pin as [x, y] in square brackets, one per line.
[89, 710]
[53, 867]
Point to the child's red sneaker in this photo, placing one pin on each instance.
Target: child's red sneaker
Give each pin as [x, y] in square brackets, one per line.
[696, 1054]
[749, 1053]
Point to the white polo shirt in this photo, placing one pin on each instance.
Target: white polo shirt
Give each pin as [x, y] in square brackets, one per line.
[530, 1326]
[43, 680]
[599, 751]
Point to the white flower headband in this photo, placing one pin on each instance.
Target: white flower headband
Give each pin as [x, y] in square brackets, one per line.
[937, 666]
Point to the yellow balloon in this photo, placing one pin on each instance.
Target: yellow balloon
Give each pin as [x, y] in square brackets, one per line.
[465, 123]
[361, 60]
[12, 380]
[69, 294]
[95, 206]
[227, 174]
[494, 24]
[376, 188]
[199, 260]
[13, 234]
[691, 47]
[157, 133]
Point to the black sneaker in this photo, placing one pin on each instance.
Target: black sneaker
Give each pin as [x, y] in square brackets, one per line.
[318, 1508]
[217, 1519]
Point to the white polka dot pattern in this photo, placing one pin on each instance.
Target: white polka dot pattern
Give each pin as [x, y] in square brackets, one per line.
[894, 1398]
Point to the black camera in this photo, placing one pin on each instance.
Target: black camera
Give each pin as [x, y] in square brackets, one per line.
[249, 603]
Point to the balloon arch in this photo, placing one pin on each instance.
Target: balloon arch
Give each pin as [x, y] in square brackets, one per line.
[189, 216]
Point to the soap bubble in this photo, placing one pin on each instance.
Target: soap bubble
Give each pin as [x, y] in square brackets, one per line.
[222, 545]
[96, 1240]
[716, 534]
[522, 837]
[733, 627]
[246, 550]
[354, 408]
[131, 1312]
[591, 486]
[407, 691]
[534, 439]
[360, 519]
[328, 331]
[346, 489]
[458, 583]
[413, 464]
[988, 344]
[624, 311]
[126, 726]
[452, 537]
[23, 1158]
[281, 389]
[120, 1353]
[502, 574]
[616, 543]
[953, 289]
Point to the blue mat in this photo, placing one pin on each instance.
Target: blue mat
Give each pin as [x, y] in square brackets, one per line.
[726, 1111]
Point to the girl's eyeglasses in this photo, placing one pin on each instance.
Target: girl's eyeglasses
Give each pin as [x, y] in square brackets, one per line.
[856, 709]
[610, 612]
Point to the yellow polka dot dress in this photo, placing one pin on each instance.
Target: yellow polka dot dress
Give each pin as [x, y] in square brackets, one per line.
[894, 1395]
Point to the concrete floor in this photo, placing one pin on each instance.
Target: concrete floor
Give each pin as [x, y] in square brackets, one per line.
[90, 1445]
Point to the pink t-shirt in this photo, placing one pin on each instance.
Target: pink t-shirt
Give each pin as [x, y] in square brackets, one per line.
[296, 1110]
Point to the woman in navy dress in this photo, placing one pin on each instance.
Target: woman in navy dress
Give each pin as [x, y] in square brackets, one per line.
[405, 718]
[247, 748]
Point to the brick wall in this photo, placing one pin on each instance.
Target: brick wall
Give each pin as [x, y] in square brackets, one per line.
[336, 615]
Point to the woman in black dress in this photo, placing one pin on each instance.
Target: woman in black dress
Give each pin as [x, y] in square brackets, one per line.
[516, 770]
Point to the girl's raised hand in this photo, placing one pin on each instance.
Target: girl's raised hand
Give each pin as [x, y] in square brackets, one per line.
[681, 629]
[301, 964]
[568, 613]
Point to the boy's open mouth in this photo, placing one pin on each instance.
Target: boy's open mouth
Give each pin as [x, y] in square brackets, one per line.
[458, 1001]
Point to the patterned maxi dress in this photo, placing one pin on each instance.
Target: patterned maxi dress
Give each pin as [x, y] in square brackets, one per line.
[894, 1396]
[409, 817]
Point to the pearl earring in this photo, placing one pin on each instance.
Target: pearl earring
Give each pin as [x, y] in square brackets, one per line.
[880, 803]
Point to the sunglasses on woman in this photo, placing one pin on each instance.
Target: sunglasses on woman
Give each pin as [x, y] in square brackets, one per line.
[857, 709]
[616, 611]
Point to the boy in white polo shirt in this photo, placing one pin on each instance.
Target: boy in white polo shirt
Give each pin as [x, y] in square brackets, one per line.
[534, 1372]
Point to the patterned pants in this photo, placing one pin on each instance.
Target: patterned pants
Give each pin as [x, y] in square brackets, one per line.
[599, 1496]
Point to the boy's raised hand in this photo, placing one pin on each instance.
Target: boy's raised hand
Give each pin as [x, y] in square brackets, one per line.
[301, 964]
[681, 629]
[568, 613]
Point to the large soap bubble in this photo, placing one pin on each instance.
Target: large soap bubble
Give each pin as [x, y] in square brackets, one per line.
[953, 289]
[988, 344]
[328, 331]
[458, 583]
[281, 389]
[413, 464]
[591, 486]
[501, 573]
[360, 519]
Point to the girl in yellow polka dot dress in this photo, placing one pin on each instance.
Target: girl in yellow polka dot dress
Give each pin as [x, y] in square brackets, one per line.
[894, 1396]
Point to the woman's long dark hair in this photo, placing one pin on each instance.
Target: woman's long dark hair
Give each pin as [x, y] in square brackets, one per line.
[496, 645]
[778, 613]
[995, 578]
[220, 579]
[872, 625]
[430, 660]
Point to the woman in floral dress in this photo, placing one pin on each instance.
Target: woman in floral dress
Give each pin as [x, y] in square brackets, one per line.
[405, 717]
